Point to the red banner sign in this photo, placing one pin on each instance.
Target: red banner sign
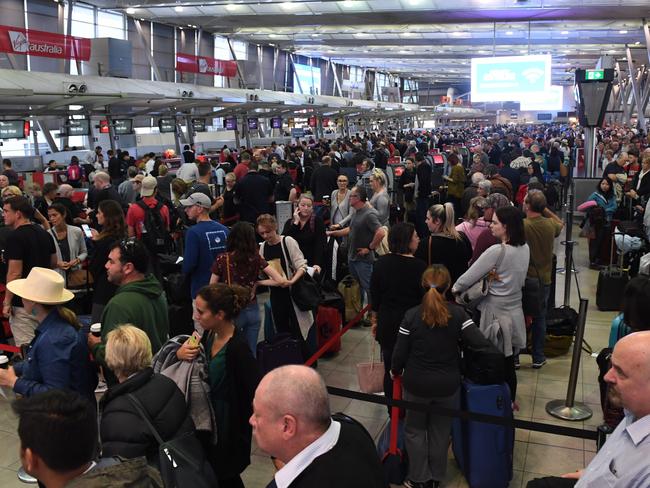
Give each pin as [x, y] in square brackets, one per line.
[40, 43]
[188, 63]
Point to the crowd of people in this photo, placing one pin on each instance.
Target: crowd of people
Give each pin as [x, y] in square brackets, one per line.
[416, 240]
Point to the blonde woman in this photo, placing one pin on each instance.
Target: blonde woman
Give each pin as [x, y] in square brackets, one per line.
[123, 433]
[445, 245]
[380, 200]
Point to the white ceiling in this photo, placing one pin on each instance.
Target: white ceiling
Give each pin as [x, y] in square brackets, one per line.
[428, 39]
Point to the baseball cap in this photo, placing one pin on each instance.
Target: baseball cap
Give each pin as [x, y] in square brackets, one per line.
[149, 184]
[197, 198]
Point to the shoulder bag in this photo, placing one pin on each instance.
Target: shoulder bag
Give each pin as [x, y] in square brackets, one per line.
[182, 460]
[531, 294]
[479, 290]
[305, 292]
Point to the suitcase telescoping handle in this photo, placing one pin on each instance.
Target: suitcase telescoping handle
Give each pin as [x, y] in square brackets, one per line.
[394, 415]
[616, 269]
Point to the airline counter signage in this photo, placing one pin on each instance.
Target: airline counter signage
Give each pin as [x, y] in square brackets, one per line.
[188, 63]
[15, 40]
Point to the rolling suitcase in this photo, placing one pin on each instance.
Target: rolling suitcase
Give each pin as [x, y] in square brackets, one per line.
[351, 293]
[611, 284]
[328, 322]
[484, 452]
[281, 350]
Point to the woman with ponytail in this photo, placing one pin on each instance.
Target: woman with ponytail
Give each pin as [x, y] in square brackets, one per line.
[232, 374]
[427, 355]
[445, 245]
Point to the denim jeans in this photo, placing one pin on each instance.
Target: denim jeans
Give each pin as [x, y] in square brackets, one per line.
[538, 327]
[362, 271]
[248, 322]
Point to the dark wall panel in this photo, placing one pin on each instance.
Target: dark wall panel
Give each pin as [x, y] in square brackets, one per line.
[163, 51]
[206, 48]
[43, 15]
[13, 15]
[141, 67]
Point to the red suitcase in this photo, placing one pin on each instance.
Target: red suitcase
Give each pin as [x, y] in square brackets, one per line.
[328, 323]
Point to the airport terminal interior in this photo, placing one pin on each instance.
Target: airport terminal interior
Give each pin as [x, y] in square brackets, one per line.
[215, 80]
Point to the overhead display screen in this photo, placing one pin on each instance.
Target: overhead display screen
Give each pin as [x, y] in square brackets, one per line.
[167, 125]
[122, 127]
[230, 123]
[253, 123]
[198, 125]
[13, 129]
[510, 78]
[552, 100]
[77, 127]
[309, 77]
[276, 123]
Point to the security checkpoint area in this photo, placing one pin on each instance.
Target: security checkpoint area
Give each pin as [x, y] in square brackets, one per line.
[432, 217]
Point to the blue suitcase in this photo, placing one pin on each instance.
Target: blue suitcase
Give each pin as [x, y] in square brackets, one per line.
[484, 452]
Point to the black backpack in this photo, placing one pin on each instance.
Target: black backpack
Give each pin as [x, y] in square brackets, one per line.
[154, 234]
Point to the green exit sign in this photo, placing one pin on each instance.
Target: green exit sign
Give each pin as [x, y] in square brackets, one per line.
[595, 74]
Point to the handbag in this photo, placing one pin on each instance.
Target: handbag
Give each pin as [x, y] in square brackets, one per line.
[371, 375]
[78, 278]
[305, 292]
[531, 294]
[479, 290]
[182, 460]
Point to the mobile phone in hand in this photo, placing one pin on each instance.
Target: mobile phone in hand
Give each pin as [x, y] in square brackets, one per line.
[86, 229]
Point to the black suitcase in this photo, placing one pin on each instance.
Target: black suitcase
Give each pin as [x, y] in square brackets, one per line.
[611, 283]
[279, 351]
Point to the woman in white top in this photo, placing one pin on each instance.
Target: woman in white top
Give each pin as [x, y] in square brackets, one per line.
[502, 317]
[340, 201]
[68, 240]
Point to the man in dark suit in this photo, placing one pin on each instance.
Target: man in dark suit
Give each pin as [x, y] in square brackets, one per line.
[323, 179]
[291, 421]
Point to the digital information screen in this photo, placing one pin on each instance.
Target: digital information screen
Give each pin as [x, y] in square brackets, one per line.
[230, 123]
[167, 125]
[510, 78]
[253, 123]
[12, 129]
[122, 127]
[198, 125]
[276, 123]
[77, 127]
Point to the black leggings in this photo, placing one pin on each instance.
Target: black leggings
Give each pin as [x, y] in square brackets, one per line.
[511, 376]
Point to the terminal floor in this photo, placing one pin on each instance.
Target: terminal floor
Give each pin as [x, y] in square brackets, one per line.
[536, 454]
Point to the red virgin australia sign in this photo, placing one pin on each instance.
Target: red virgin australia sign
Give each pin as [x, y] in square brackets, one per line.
[40, 43]
[204, 65]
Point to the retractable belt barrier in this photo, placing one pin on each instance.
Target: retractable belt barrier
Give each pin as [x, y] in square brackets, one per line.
[8, 348]
[446, 412]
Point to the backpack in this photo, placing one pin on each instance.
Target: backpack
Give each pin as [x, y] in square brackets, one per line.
[74, 172]
[154, 235]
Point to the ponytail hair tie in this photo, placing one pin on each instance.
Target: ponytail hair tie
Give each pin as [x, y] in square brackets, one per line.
[433, 286]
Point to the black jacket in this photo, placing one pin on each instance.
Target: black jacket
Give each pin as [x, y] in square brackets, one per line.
[323, 182]
[123, 433]
[352, 462]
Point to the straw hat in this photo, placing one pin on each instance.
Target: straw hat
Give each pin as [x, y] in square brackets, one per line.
[43, 286]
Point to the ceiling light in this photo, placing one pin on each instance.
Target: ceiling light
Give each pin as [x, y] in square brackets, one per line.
[315, 35]
[637, 43]
[130, 10]
[524, 51]
[272, 36]
[622, 32]
[404, 51]
[359, 34]
[230, 7]
[509, 33]
[349, 3]
[287, 5]
[564, 33]
[178, 8]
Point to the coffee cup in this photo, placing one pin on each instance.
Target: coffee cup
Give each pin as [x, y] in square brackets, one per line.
[96, 329]
[4, 362]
